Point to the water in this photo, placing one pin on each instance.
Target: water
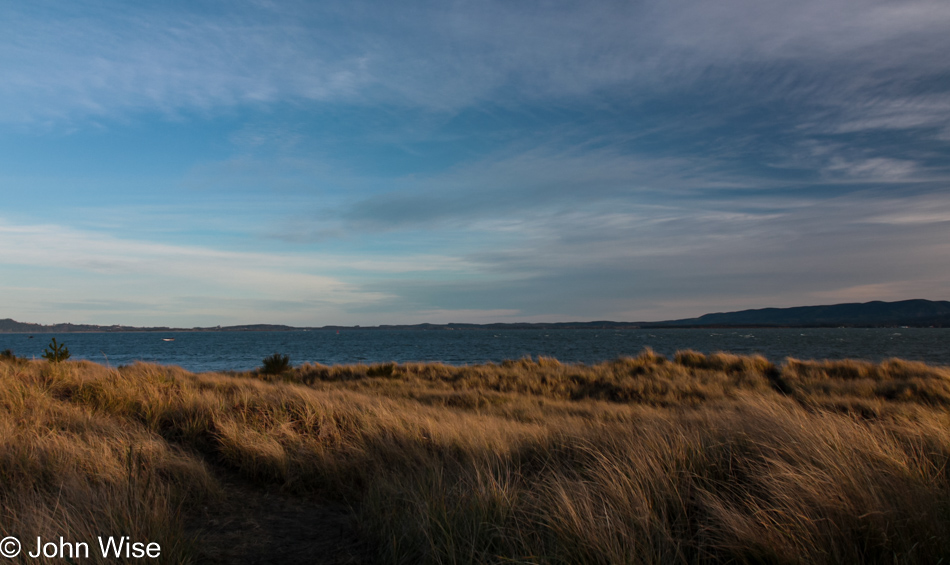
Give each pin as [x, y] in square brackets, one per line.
[216, 351]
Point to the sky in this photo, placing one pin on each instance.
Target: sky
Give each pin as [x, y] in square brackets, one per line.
[351, 162]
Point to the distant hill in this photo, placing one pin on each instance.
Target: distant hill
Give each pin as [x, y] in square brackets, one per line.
[919, 313]
[12, 326]
[913, 313]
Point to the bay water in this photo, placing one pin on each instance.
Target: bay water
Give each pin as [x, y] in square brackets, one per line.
[239, 351]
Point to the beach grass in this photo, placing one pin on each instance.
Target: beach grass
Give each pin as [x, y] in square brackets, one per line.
[696, 459]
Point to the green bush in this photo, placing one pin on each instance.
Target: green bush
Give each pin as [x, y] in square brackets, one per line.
[54, 353]
[276, 364]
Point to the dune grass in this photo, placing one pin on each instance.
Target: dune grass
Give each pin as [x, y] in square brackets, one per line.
[699, 459]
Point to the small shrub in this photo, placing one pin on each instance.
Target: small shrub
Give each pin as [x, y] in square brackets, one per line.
[7, 355]
[54, 353]
[276, 364]
[382, 370]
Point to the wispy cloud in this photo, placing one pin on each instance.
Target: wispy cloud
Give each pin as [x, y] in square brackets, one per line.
[686, 260]
[112, 57]
[88, 269]
[381, 162]
[542, 181]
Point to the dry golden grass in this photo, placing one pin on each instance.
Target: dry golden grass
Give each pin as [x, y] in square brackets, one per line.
[699, 459]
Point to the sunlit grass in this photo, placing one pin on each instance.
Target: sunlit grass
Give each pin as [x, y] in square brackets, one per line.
[700, 459]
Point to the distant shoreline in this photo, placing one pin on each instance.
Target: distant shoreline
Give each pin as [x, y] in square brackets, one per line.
[917, 313]
[467, 327]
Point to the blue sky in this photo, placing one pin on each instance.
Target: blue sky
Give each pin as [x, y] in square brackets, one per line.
[311, 163]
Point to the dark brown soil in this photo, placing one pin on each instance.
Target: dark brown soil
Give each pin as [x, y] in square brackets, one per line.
[258, 525]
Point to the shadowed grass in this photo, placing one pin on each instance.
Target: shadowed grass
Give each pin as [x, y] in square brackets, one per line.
[700, 459]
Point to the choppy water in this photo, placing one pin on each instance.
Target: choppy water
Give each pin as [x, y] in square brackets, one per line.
[214, 351]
